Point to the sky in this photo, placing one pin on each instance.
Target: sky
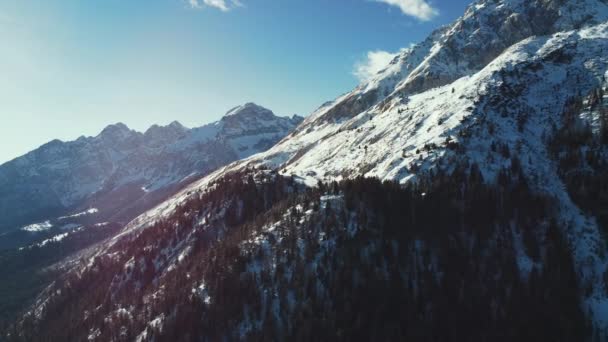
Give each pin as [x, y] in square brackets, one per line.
[71, 67]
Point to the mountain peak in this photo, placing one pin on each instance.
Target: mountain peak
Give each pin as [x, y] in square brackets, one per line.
[249, 109]
[157, 135]
[177, 125]
[117, 126]
[116, 131]
[174, 126]
[463, 48]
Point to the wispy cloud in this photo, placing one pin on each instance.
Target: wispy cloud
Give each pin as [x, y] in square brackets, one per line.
[374, 62]
[416, 8]
[222, 5]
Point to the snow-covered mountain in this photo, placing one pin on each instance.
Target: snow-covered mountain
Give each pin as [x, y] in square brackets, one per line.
[121, 172]
[465, 47]
[512, 95]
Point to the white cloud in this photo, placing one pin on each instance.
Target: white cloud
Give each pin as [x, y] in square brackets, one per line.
[222, 5]
[373, 63]
[415, 8]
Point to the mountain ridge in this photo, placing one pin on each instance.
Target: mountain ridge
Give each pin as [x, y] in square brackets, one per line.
[298, 233]
[118, 156]
[523, 94]
[459, 49]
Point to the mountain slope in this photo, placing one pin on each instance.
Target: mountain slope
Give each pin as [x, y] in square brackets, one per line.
[515, 104]
[465, 47]
[484, 154]
[121, 172]
[259, 257]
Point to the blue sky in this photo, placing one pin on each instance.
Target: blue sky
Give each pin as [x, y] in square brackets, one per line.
[71, 67]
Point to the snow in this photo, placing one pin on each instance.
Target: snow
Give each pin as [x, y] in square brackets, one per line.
[524, 262]
[89, 211]
[69, 173]
[395, 136]
[94, 334]
[386, 140]
[387, 137]
[156, 323]
[202, 292]
[38, 227]
[248, 106]
[56, 238]
[183, 254]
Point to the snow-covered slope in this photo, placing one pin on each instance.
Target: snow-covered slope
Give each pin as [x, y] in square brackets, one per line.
[410, 133]
[499, 79]
[492, 89]
[121, 171]
[465, 47]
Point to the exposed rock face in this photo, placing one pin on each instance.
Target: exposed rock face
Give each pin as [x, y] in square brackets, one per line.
[122, 171]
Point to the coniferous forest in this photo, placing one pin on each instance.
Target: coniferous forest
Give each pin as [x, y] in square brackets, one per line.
[355, 260]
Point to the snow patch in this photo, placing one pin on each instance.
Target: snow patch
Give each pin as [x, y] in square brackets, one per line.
[89, 211]
[38, 227]
[54, 239]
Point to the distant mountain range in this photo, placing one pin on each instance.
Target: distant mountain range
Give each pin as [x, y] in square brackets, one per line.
[121, 172]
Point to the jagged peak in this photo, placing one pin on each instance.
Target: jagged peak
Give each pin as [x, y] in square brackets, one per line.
[156, 134]
[116, 131]
[175, 127]
[119, 126]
